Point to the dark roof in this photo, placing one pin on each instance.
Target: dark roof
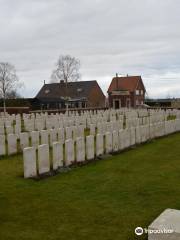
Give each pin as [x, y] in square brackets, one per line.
[160, 100]
[75, 90]
[129, 83]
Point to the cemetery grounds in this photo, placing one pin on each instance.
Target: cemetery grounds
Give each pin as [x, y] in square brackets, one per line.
[106, 199]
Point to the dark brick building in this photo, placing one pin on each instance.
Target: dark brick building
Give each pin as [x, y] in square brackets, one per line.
[126, 91]
[81, 94]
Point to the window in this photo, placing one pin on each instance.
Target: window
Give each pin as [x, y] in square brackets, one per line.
[137, 92]
[79, 90]
[47, 91]
[137, 102]
[142, 92]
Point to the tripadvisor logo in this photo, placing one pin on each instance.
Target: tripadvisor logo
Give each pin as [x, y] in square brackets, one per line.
[139, 231]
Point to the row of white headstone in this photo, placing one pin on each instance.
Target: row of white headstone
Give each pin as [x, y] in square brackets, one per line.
[35, 138]
[86, 149]
[130, 118]
[99, 123]
[87, 113]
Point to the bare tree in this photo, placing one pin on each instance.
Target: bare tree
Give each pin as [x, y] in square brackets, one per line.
[67, 69]
[13, 95]
[8, 81]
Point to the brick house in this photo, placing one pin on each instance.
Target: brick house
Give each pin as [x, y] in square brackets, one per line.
[126, 91]
[80, 94]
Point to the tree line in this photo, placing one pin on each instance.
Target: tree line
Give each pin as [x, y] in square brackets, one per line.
[66, 69]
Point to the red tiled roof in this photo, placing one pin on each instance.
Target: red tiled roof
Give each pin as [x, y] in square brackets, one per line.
[124, 83]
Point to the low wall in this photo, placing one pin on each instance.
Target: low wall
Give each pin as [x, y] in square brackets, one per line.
[15, 110]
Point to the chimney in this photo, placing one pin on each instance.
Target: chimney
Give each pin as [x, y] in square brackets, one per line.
[116, 81]
[127, 75]
[44, 82]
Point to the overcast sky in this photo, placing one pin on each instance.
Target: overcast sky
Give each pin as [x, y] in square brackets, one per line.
[138, 37]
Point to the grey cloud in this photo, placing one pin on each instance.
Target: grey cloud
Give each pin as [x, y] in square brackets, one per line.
[135, 37]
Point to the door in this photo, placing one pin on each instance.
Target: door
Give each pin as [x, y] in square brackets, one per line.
[116, 103]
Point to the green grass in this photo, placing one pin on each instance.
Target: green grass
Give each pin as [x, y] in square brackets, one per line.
[103, 200]
[171, 117]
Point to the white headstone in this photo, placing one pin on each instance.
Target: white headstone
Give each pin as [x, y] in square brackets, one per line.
[9, 130]
[115, 141]
[44, 137]
[80, 132]
[29, 157]
[152, 133]
[2, 145]
[12, 144]
[69, 152]
[121, 139]
[90, 147]
[167, 127]
[115, 126]
[99, 144]
[92, 129]
[2, 130]
[57, 155]
[43, 158]
[138, 134]
[99, 128]
[127, 140]
[166, 226]
[17, 129]
[24, 140]
[143, 133]
[120, 124]
[68, 133]
[34, 138]
[80, 149]
[61, 135]
[53, 136]
[132, 136]
[103, 127]
[108, 142]
[177, 125]
[108, 127]
[75, 132]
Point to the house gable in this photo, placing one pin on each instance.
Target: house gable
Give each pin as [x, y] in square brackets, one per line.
[96, 96]
[81, 91]
[128, 83]
[140, 85]
[126, 91]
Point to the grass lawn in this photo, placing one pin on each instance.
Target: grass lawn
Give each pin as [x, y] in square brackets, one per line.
[104, 200]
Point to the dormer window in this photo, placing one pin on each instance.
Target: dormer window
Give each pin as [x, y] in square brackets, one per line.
[47, 91]
[79, 90]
